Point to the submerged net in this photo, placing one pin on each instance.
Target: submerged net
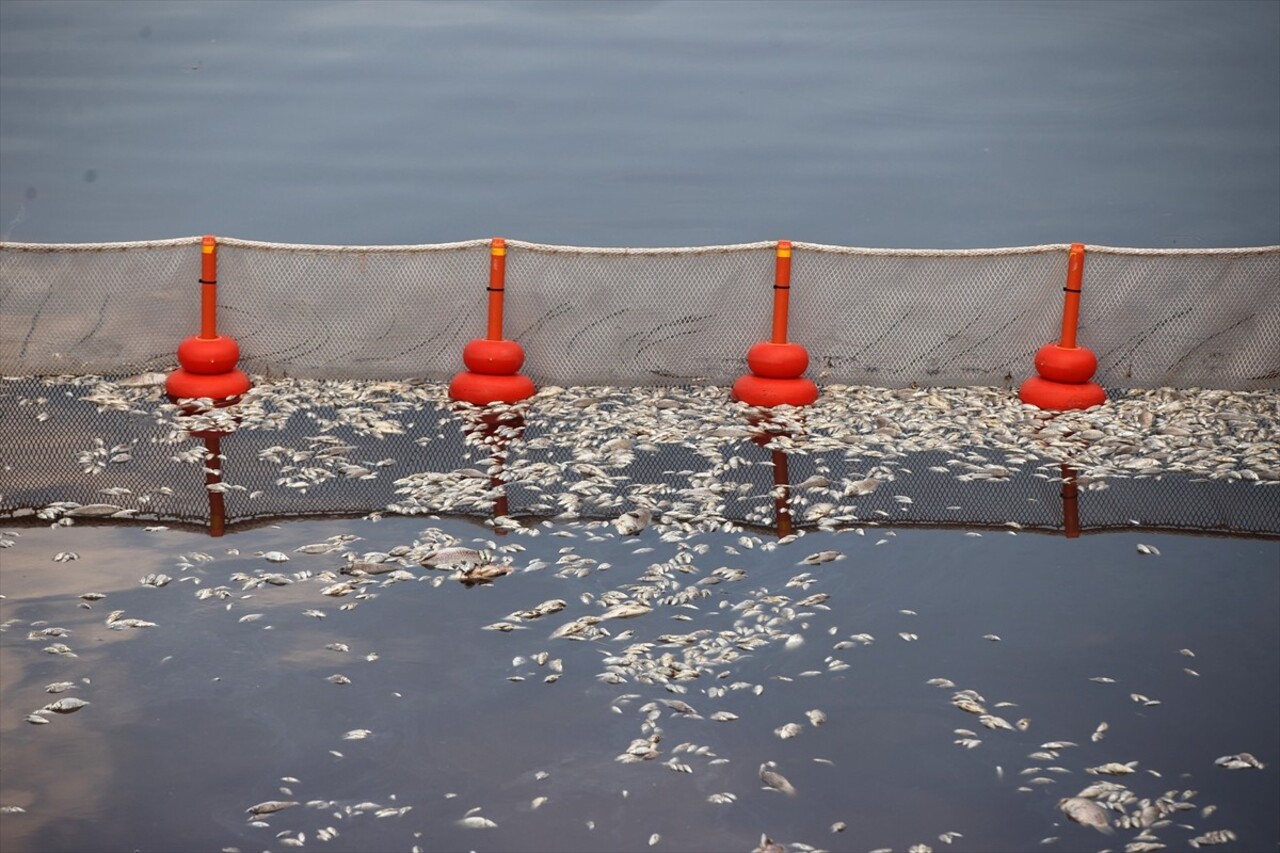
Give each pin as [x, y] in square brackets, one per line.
[858, 458]
[1205, 318]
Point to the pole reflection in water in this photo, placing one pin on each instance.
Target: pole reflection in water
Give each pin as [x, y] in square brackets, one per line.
[1070, 503]
[781, 476]
[213, 480]
[494, 431]
[214, 487]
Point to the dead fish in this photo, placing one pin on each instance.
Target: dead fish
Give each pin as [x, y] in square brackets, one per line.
[274, 556]
[483, 574]
[1241, 761]
[338, 678]
[270, 807]
[361, 567]
[822, 557]
[632, 523]
[1217, 836]
[575, 628]
[775, 780]
[454, 556]
[142, 380]
[94, 510]
[129, 622]
[59, 686]
[859, 488]
[1086, 813]
[626, 610]
[66, 706]
[816, 717]
[357, 734]
[788, 731]
[473, 820]
[1113, 768]
[768, 845]
[1148, 549]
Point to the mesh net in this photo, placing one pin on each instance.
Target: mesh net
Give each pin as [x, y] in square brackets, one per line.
[889, 318]
[855, 459]
[648, 338]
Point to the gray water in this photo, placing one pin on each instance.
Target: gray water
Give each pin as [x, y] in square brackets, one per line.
[195, 720]
[880, 124]
[945, 125]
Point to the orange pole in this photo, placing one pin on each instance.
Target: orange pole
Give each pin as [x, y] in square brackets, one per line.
[1071, 307]
[209, 287]
[497, 282]
[781, 291]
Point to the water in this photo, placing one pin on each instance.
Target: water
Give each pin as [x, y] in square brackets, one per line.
[948, 125]
[195, 720]
[944, 125]
[227, 698]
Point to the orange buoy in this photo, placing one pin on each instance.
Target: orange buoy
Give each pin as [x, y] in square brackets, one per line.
[777, 367]
[493, 362]
[208, 360]
[1065, 369]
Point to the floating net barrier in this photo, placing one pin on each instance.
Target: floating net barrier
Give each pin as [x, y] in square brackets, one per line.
[916, 353]
[1195, 318]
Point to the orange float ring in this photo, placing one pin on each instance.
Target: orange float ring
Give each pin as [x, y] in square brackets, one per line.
[496, 358]
[1065, 364]
[768, 392]
[777, 361]
[216, 386]
[481, 389]
[1061, 396]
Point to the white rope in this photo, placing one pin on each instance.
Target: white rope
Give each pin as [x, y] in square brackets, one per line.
[547, 248]
[305, 247]
[672, 250]
[1243, 250]
[99, 247]
[933, 253]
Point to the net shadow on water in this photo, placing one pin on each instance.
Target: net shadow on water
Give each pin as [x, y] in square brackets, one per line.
[260, 674]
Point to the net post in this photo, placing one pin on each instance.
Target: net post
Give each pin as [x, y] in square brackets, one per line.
[781, 290]
[208, 360]
[776, 366]
[497, 285]
[208, 287]
[1064, 370]
[493, 362]
[1071, 302]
